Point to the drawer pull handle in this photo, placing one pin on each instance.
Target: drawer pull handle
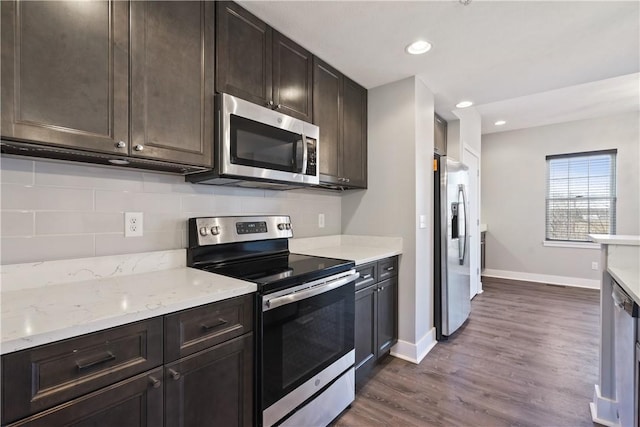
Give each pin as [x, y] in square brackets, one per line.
[156, 383]
[174, 374]
[220, 322]
[366, 276]
[389, 268]
[86, 364]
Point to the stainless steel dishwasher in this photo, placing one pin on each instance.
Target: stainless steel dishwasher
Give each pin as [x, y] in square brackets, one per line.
[625, 319]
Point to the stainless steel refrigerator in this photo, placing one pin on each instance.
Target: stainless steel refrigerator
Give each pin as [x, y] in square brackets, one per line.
[452, 274]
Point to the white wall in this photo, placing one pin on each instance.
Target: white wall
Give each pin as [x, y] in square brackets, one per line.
[513, 196]
[61, 210]
[400, 189]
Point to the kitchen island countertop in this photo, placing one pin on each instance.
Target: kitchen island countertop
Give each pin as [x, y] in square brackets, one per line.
[623, 261]
[54, 300]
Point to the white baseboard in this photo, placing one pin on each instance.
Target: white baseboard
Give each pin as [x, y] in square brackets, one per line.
[604, 411]
[577, 282]
[414, 353]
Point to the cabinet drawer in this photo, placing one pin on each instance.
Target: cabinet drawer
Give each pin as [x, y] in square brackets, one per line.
[39, 378]
[189, 331]
[387, 268]
[368, 275]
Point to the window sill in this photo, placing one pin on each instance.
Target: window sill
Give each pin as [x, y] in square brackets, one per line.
[574, 245]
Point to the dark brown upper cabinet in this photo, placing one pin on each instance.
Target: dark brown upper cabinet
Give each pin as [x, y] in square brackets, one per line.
[65, 68]
[440, 135]
[127, 78]
[340, 110]
[256, 63]
[172, 65]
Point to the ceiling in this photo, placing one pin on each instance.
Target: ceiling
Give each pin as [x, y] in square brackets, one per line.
[527, 62]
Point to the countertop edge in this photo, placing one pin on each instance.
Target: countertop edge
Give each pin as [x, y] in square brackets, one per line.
[613, 239]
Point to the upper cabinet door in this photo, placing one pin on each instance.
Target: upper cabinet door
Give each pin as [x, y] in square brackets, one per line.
[354, 134]
[440, 135]
[292, 78]
[243, 54]
[172, 65]
[65, 73]
[327, 108]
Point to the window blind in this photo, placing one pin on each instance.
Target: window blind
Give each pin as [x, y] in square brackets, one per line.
[581, 195]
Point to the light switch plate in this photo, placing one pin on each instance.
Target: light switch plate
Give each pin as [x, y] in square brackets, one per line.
[423, 221]
[321, 220]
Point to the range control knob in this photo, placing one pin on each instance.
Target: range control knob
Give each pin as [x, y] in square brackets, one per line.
[215, 230]
[288, 226]
[281, 226]
[204, 231]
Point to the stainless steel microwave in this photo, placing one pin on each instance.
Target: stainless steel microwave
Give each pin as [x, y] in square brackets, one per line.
[259, 147]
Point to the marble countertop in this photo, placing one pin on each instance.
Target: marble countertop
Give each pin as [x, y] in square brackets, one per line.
[623, 263]
[50, 301]
[615, 239]
[360, 249]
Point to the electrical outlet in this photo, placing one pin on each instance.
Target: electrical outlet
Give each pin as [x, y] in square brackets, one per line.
[594, 265]
[321, 220]
[132, 224]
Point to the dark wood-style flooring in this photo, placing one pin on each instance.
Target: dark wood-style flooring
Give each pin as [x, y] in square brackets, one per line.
[527, 356]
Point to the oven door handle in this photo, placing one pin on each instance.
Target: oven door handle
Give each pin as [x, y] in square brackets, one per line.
[310, 292]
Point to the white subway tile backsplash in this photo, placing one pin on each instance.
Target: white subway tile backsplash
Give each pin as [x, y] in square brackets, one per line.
[45, 248]
[60, 175]
[163, 183]
[16, 223]
[120, 201]
[16, 170]
[78, 222]
[66, 210]
[162, 222]
[113, 244]
[206, 203]
[21, 197]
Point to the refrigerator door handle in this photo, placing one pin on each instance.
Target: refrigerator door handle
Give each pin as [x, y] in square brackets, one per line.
[454, 220]
[462, 242]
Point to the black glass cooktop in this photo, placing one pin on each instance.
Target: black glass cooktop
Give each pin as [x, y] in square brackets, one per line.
[272, 273]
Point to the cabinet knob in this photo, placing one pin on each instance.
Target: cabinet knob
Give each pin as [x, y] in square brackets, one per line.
[270, 104]
[279, 106]
[174, 374]
[121, 144]
[139, 147]
[156, 383]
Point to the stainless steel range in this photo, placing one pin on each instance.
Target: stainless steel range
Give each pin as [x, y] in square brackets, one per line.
[304, 312]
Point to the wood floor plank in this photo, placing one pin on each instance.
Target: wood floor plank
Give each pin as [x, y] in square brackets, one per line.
[527, 356]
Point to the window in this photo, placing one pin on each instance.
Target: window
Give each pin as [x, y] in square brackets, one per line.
[581, 195]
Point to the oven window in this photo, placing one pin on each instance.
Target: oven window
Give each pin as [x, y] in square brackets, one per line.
[302, 338]
[264, 146]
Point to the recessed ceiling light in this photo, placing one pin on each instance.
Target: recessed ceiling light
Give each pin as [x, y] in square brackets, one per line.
[419, 47]
[500, 123]
[464, 104]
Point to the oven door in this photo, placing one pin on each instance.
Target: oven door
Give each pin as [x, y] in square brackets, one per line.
[304, 332]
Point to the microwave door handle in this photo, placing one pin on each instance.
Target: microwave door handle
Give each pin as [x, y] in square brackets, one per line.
[305, 154]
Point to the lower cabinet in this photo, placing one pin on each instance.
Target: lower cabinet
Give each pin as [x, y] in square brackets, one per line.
[376, 314]
[136, 402]
[122, 377]
[213, 387]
